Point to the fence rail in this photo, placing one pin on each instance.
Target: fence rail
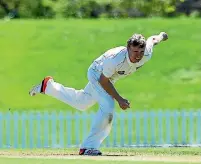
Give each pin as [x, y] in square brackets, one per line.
[65, 129]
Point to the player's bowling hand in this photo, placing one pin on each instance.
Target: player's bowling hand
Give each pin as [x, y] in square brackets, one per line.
[123, 103]
[164, 36]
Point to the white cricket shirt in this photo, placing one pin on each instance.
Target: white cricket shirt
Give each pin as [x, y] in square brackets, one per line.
[115, 63]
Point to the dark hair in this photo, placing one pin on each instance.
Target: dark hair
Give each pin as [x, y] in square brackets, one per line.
[137, 40]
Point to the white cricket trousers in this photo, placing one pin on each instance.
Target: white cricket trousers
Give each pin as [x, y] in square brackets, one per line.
[82, 100]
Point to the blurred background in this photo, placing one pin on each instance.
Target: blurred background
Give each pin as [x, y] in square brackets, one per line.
[61, 38]
[99, 8]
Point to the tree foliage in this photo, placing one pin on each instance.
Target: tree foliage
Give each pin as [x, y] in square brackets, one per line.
[93, 8]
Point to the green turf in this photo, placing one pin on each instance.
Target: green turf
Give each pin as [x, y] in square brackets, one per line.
[62, 161]
[174, 151]
[54, 161]
[114, 154]
[32, 49]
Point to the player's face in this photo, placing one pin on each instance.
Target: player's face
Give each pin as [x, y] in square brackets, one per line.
[135, 53]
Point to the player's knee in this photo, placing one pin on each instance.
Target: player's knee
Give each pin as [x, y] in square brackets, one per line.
[110, 118]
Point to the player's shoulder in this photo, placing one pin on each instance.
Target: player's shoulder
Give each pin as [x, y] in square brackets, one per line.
[120, 57]
[115, 57]
[117, 50]
[120, 51]
[116, 53]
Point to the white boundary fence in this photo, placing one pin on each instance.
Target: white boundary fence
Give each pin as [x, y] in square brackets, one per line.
[130, 129]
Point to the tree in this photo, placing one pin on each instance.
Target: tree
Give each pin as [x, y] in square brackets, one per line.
[11, 12]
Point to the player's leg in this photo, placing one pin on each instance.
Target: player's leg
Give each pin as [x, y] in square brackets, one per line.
[102, 122]
[79, 99]
[100, 129]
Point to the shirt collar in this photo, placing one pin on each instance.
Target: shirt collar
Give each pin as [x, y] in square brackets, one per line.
[128, 60]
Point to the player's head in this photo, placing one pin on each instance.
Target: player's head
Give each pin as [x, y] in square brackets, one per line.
[136, 46]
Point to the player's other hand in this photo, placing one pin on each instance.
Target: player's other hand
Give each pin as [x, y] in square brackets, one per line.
[164, 36]
[123, 103]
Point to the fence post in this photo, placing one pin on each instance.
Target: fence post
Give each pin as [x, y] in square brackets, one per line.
[198, 138]
[137, 115]
[145, 114]
[23, 139]
[122, 121]
[69, 129]
[130, 127]
[31, 130]
[1, 130]
[175, 127]
[183, 127]
[168, 116]
[46, 129]
[54, 130]
[153, 141]
[160, 127]
[191, 127]
[77, 127]
[16, 129]
[8, 136]
[61, 128]
[38, 118]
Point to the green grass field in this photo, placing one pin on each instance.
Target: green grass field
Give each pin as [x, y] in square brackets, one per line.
[72, 161]
[32, 49]
[139, 156]
[77, 161]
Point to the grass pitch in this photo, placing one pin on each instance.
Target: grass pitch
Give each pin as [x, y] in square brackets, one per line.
[122, 155]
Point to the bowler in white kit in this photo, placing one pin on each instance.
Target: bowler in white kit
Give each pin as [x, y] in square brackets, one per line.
[102, 74]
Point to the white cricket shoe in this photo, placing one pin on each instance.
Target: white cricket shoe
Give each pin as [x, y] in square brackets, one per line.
[40, 88]
[90, 152]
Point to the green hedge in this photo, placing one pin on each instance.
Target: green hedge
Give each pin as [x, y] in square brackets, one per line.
[93, 8]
